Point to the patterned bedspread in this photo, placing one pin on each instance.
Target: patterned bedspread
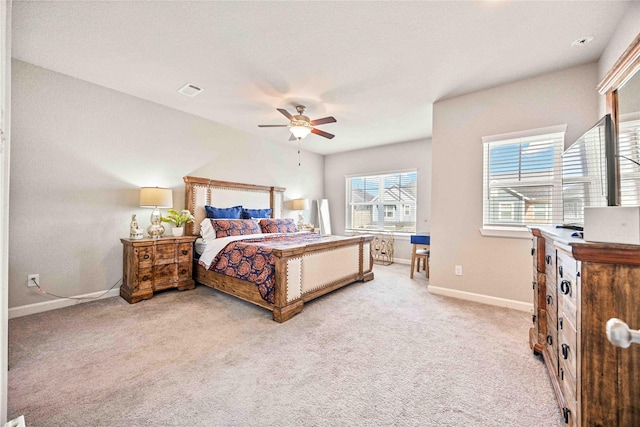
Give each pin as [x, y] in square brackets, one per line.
[253, 260]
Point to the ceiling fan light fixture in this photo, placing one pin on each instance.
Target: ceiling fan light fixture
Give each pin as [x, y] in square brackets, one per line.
[300, 129]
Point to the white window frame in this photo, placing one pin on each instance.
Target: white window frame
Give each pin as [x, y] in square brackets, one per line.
[521, 230]
[379, 209]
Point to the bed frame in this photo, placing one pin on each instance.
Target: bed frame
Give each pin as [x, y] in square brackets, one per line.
[302, 273]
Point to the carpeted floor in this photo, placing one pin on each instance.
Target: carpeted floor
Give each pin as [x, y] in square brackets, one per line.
[382, 353]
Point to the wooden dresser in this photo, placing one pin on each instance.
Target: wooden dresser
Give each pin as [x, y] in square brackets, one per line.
[577, 287]
[151, 265]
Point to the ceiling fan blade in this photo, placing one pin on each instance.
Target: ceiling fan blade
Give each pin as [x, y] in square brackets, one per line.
[292, 137]
[285, 113]
[322, 133]
[272, 126]
[323, 121]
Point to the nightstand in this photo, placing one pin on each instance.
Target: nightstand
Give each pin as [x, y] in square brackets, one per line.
[151, 265]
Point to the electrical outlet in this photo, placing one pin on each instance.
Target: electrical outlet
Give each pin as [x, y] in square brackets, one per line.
[31, 278]
[458, 270]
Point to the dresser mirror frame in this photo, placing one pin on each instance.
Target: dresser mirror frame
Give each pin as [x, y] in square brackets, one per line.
[625, 68]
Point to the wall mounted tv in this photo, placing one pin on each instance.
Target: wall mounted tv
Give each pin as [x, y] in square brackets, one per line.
[589, 172]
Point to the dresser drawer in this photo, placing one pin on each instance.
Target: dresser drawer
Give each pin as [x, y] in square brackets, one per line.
[552, 344]
[567, 349]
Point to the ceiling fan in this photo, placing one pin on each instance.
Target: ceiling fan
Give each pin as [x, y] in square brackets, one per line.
[301, 126]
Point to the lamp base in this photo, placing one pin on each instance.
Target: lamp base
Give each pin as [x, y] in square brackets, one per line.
[156, 229]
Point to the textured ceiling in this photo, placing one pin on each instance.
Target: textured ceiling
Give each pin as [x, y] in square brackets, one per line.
[375, 66]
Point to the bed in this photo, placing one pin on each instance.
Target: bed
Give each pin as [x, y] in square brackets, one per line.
[303, 270]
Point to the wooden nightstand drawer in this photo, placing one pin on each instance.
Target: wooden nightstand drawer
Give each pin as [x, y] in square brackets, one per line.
[151, 265]
[165, 273]
[145, 278]
[145, 256]
[184, 252]
[165, 253]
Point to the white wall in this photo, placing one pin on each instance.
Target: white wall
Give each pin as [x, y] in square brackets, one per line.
[494, 267]
[406, 155]
[80, 154]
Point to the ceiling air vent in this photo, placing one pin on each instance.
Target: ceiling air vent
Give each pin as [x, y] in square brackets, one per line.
[190, 90]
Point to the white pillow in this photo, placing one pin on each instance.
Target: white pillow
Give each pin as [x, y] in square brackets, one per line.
[206, 229]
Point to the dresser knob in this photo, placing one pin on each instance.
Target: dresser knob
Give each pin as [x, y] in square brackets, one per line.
[548, 258]
[565, 287]
[565, 351]
[565, 414]
[146, 256]
[185, 252]
[549, 300]
[560, 270]
[184, 271]
[533, 318]
[145, 278]
[533, 251]
[549, 340]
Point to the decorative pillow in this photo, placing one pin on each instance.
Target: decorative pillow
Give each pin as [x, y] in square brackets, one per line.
[206, 229]
[233, 212]
[234, 227]
[255, 213]
[286, 225]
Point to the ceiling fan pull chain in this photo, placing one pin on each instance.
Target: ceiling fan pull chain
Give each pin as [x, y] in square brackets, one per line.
[298, 151]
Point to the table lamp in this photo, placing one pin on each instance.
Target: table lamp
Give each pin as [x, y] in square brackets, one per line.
[155, 197]
[300, 205]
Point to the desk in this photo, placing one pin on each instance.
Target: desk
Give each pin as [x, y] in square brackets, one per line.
[421, 246]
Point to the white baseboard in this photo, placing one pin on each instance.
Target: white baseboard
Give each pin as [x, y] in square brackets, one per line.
[40, 307]
[402, 261]
[484, 299]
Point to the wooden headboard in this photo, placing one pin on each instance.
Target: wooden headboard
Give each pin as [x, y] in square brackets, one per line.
[223, 194]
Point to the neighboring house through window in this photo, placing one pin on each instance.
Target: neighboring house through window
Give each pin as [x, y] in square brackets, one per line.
[382, 202]
[522, 182]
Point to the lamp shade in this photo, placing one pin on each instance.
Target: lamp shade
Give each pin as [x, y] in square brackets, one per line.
[300, 131]
[299, 204]
[155, 197]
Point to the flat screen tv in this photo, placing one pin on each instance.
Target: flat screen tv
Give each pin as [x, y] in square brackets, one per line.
[589, 173]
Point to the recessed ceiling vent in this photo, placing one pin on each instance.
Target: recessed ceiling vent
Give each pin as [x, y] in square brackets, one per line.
[190, 90]
[582, 41]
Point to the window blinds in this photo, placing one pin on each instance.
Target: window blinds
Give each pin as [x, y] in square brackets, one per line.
[523, 180]
[628, 157]
[384, 202]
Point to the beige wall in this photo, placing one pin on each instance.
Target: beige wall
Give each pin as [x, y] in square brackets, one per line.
[81, 152]
[495, 267]
[406, 155]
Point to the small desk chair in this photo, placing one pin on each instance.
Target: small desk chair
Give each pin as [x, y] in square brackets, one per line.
[421, 248]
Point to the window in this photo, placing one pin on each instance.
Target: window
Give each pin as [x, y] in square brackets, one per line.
[522, 181]
[629, 152]
[383, 202]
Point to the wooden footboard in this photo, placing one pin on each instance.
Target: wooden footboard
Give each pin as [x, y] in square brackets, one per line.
[302, 274]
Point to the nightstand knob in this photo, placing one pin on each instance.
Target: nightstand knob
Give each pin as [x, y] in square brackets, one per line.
[145, 278]
[146, 256]
[185, 252]
[183, 271]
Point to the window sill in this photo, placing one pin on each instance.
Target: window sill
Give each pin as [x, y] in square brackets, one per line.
[506, 232]
[401, 235]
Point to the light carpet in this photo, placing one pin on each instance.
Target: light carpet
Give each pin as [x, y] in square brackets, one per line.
[381, 353]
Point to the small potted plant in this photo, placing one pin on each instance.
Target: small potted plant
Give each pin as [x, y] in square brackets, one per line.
[179, 219]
